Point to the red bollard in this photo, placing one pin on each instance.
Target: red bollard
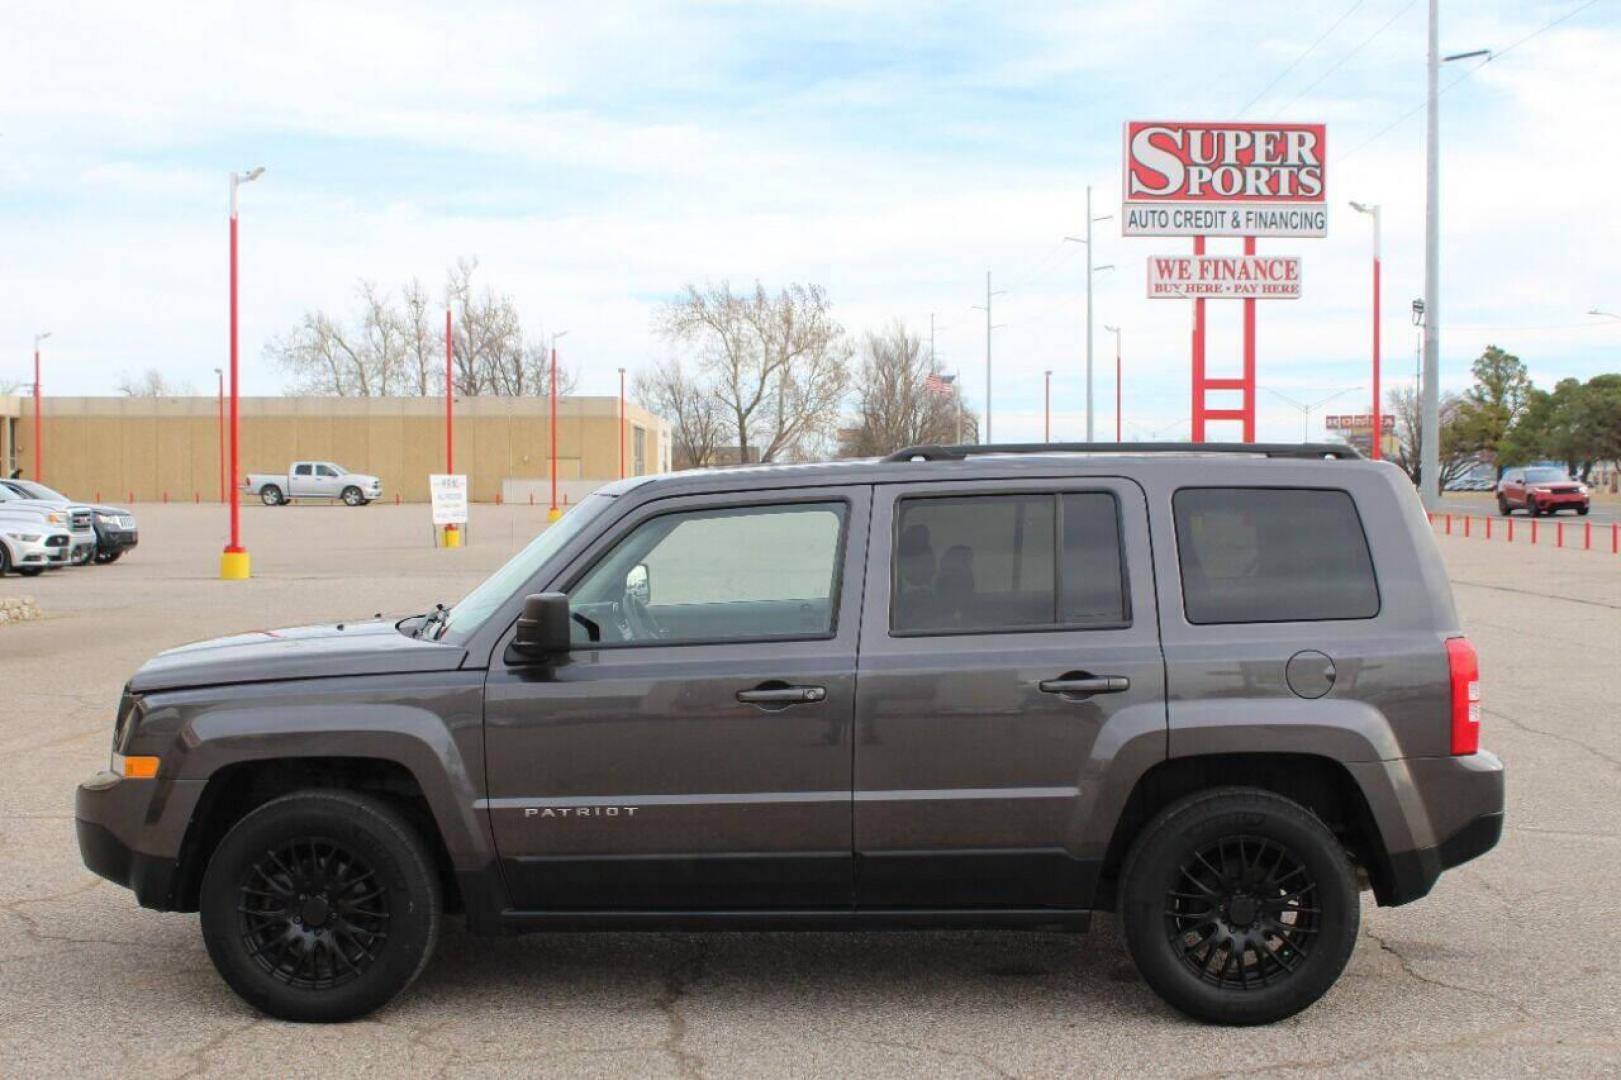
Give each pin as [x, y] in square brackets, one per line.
[1488, 528]
[1587, 536]
[132, 496]
[1466, 520]
[1559, 534]
[1430, 516]
[196, 498]
[165, 498]
[98, 496]
[396, 498]
[1615, 534]
[531, 498]
[1533, 530]
[498, 498]
[1511, 530]
[1449, 524]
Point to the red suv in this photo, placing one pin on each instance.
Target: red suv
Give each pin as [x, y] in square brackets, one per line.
[1540, 490]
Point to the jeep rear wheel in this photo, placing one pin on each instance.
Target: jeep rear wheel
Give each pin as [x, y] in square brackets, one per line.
[1239, 906]
[271, 495]
[320, 906]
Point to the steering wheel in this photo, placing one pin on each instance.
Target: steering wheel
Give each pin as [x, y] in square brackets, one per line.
[639, 619]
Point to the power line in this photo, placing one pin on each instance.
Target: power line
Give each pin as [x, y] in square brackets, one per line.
[1466, 73]
[1315, 83]
[1267, 89]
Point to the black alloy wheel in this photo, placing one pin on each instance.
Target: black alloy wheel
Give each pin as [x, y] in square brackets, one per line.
[1242, 912]
[1239, 906]
[313, 913]
[320, 906]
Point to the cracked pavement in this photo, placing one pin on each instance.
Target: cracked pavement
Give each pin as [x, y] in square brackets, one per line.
[1506, 969]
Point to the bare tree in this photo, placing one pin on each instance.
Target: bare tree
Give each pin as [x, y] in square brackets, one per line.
[1402, 402]
[693, 410]
[152, 384]
[424, 343]
[896, 402]
[779, 364]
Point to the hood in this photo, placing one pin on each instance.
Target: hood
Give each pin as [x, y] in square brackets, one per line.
[302, 652]
[113, 510]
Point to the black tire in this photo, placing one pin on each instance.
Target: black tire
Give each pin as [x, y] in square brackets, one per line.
[320, 880]
[1298, 935]
[352, 496]
[1582, 510]
[5, 560]
[107, 558]
[1532, 508]
[30, 571]
[271, 495]
[88, 558]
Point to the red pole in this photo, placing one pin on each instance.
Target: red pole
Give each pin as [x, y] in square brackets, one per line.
[1587, 536]
[450, 400]
[221, 427]
[1249, 355]
[554, 513]
[1198, 356]
[39, 423]
[621, 423]
[235, 546]
[1488, 528]
[1378, 409]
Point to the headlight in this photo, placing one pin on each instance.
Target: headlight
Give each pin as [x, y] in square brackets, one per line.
[26, 538]
[57, 518]
[107, 519]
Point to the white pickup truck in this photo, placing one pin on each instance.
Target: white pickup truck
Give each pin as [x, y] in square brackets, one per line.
[314, 480]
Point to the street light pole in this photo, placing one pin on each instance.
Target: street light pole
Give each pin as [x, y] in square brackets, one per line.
[1305, 409]
[234, 562]
[988, 328]
[1090, 270]
[1047, 407]
[555, 512]
[621, 423]
[219, 375]
[1115, 330]
[1378, 408]
[39, 420]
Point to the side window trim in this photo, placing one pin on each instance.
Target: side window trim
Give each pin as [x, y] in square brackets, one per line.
[1057, 494]
[573, 577]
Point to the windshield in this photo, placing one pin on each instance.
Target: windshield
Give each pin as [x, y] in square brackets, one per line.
[469, 614]
[40, 491]
[1543, 476]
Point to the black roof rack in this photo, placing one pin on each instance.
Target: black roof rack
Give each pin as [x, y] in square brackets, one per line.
[1272, 450]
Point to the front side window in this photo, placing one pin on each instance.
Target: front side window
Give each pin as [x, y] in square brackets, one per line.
[326, 470]
[1272, 555]
[1007, 562]
[736, 574]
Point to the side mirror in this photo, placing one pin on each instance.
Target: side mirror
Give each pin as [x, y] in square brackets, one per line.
[639, 583]
[543, 628]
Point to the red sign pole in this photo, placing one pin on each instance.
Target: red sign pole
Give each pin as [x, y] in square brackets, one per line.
[450, 399]
[1249, 356]
[39, 442]
[1378, 406]
[1198, 356]
[554, 513]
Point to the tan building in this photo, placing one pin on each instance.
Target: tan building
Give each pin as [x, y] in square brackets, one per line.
[145, 449]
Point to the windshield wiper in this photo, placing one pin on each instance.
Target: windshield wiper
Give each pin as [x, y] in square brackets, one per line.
[436, 617]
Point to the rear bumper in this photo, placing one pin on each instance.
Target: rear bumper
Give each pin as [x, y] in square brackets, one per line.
[1435, 814]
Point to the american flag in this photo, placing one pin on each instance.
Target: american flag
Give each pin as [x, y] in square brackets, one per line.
[940, 384]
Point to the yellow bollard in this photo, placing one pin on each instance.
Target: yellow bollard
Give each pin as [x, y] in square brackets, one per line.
[235, 566]
[553, 514]
[453, 537]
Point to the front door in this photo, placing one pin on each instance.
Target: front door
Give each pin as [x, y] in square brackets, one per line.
[303, 480]
[692, 752]
[1010, 660]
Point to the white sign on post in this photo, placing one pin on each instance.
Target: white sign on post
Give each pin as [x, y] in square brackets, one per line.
[1254, 277]
[449, 494]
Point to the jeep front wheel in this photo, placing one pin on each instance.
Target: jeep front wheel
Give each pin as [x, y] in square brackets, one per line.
[1239, 906]
[320, 906]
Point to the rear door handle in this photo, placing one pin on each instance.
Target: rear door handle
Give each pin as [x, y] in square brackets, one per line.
[782, 695]
[1107, 684]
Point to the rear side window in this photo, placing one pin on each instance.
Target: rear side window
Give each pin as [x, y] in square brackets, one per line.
[1253, 555]
[1007, 562]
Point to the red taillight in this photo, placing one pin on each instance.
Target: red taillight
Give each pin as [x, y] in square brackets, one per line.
[1465, 669]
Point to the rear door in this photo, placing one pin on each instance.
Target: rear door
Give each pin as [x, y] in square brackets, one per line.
[1010, 658]
[302, 480]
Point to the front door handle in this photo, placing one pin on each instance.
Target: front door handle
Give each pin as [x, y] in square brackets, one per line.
[1107, 684]
[782, 695]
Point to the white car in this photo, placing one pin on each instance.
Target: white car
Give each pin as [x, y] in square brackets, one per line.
[30, 542]
[79, 519]
[314, 480]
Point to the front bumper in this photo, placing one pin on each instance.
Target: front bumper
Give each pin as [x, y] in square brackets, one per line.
[41, 552]
[105, 807]
[1558, 500]
[110, 540]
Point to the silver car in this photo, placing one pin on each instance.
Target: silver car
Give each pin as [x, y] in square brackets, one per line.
[30, 542]
[79, 519]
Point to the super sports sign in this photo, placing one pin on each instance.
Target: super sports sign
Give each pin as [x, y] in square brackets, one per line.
[1227, 179]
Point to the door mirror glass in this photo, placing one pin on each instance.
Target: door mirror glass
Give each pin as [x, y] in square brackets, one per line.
[543, 627]
[639, 584]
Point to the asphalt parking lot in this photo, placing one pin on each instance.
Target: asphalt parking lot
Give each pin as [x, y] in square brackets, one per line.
[1509, 967]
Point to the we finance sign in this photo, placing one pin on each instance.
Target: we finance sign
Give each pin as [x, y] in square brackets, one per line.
[1204, 179]
[1219, 277]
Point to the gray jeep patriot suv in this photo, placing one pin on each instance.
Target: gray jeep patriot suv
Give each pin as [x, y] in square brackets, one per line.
[1217, 690]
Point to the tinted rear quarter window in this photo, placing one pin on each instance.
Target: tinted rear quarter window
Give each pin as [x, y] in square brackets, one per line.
[1252, 555]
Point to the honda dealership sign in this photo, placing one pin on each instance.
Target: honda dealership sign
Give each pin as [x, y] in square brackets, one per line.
[1225, 179]
[1193, 277]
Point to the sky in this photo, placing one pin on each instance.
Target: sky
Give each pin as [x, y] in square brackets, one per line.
[596, 158]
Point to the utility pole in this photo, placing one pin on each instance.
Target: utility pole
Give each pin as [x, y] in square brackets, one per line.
[1090, 270]
[989, 326]
[1115, 330]
[1429, 461]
